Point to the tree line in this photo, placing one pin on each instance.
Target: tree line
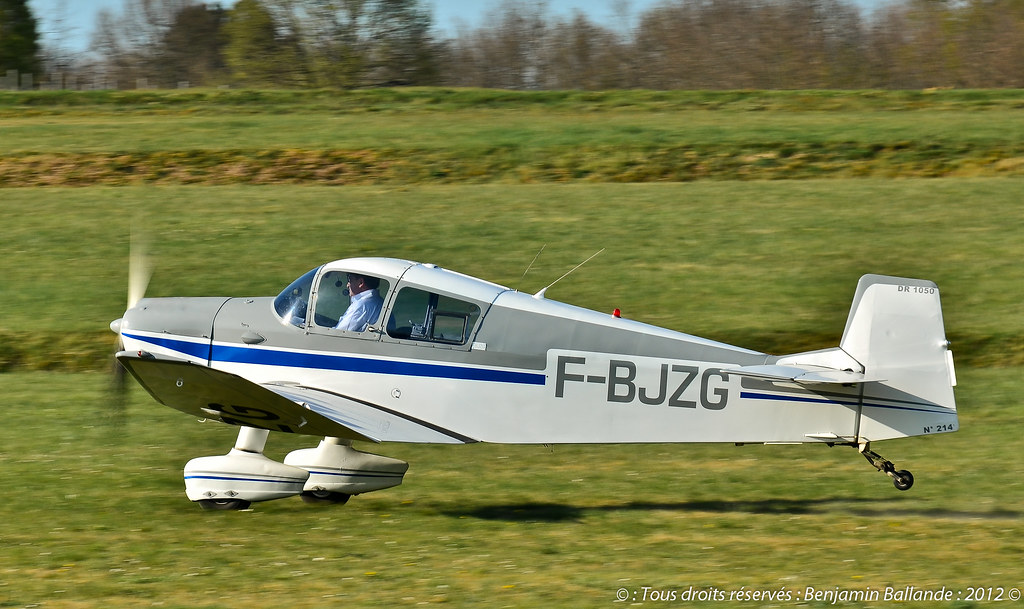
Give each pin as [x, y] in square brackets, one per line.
[678, 44]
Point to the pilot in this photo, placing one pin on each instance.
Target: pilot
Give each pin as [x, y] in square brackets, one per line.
[365, 306]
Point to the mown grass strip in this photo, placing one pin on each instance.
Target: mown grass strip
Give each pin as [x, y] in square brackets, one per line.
[766, 265]
[95, 515]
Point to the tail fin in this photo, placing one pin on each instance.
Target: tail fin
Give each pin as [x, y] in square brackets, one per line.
[894, 350]
[895, 331]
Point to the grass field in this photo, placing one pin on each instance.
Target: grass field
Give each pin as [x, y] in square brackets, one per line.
[94, 513]
[94, 516]
[470, 136]
[770, 265]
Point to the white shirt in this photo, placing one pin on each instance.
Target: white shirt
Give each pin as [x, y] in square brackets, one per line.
[362, 311]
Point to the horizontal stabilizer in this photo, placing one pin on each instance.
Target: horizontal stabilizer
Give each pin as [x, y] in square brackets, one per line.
[804, 375]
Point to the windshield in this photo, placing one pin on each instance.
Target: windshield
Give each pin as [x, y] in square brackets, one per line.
[291, 304]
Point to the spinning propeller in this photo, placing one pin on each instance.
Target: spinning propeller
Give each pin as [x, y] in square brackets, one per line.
[139, 272]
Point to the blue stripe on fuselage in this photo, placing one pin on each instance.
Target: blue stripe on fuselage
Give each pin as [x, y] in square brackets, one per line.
[321, 361]
[242, 355]
[194, 349]
[914, 406]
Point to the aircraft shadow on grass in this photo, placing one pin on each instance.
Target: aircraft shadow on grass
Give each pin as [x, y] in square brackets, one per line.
[889, 508]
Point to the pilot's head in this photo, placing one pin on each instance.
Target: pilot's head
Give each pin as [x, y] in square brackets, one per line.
[360, 283]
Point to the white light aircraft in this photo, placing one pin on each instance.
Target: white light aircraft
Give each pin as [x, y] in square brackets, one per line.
[387, 350]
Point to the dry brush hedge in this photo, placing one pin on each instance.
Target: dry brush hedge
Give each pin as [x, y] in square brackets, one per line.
[510, 164]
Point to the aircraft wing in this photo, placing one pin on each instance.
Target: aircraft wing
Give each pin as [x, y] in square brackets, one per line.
[214, 394]
[803, 374]
[373, 420]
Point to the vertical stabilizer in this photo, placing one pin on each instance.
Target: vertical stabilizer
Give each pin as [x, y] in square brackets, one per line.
[895, 331]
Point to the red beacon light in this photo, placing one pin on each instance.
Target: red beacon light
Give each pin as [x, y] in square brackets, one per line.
[616, 313]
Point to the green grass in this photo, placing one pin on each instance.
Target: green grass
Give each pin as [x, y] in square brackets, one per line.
[95, 515]
[430, 99]
[463, 136]
[527, 129]
[93, 510]
[769, 265]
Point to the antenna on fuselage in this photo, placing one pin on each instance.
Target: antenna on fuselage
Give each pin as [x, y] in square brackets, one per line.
[534, 261]
[540, 294]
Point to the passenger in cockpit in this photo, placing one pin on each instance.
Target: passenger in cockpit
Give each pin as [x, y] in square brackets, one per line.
[364, 309]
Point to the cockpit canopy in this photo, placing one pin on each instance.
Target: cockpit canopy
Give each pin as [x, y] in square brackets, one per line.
[330, 300]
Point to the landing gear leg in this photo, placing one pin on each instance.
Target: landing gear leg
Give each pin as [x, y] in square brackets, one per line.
[901, 479]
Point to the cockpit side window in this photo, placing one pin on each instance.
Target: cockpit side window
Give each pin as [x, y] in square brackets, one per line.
[426, 316]
[293, 302]
[349, 301]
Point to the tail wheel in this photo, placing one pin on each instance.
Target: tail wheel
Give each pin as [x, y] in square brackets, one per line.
[903, 479]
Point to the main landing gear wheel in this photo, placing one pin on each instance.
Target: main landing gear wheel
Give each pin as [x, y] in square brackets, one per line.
[903, 479]
[325, 497]
[223, 504]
